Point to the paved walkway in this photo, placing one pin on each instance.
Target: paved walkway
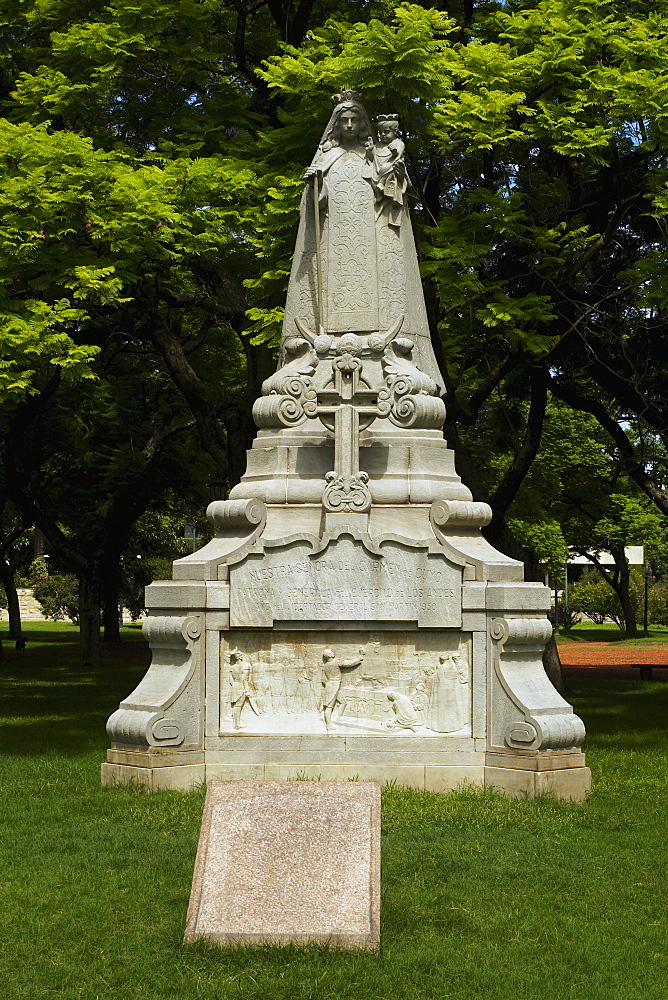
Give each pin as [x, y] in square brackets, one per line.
[611, 659]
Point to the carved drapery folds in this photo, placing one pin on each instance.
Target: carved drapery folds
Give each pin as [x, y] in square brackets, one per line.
[164, 710]
[533, 716]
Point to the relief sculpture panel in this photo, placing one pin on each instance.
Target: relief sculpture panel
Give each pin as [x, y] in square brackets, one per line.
[345, 682]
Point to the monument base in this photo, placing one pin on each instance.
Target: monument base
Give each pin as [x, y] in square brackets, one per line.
[560, 775]
[344, 652]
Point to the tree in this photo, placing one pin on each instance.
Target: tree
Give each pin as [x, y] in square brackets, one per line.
[168, 142]
[14, 555]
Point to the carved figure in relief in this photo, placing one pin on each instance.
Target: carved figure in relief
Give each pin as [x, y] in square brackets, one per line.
[405, 715]
[305, 691]
[419, 697]
[331, 679]
[240, 686]
[390, 179]
[264, 691]
[448, 704]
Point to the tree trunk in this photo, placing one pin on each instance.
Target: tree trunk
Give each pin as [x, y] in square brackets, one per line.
[624, 595]
[13, 609]
[620, 582]
[553, 668]
[89, 622]
[110, 589]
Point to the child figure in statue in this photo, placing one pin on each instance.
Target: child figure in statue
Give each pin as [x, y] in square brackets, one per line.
[391, 179]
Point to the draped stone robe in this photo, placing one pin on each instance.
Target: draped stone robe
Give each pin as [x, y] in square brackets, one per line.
[370, 274]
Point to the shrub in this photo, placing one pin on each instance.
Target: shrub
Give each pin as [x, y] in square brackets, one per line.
[38, 571]
[568, 616]
[658, 604]
[59, 597]
[594, 598]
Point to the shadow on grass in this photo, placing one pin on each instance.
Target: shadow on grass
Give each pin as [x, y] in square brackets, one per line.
[632, 710]
[51, 704]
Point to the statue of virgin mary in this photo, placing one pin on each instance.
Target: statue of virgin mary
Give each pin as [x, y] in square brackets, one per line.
[368, 276]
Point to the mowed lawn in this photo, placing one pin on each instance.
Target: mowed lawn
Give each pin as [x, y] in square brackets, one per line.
[483, 897]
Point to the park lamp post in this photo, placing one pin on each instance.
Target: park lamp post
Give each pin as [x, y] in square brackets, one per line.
[647, 573]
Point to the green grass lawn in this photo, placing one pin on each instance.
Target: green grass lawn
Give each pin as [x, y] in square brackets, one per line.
[483, 897]
[587, 631]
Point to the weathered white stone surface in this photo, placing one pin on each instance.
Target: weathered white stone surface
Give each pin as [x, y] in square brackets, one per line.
[399, 683]
[288, 863]
[349, 619]
[345, 582]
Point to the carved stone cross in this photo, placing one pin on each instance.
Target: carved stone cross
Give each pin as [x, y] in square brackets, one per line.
[346, 400]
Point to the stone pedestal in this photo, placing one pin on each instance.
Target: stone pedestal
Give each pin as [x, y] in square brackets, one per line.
[296, 644]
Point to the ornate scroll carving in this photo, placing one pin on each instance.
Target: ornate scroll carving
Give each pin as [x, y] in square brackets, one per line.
[236, 513]
[546, 721]
[142, 721]
[520, 632]
[346, 493]
[459, 514]
[410, 398]
[295, 374]
[287, 396]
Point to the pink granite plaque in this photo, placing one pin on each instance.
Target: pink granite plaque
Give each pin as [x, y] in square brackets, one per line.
[288, 862]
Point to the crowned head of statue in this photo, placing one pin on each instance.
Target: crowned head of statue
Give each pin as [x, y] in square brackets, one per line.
[349, 125]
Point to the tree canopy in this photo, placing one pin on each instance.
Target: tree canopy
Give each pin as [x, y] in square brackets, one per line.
[151, 157]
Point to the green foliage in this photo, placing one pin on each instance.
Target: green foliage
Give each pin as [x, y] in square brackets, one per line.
[38, 571]
[545, 538]
[83, 227]
[593, 597]
[634, 520]
[58, 596]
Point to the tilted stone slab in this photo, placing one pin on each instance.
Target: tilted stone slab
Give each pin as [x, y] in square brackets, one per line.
[283, 863]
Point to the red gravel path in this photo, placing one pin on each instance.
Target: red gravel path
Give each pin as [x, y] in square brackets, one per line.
[611, 659]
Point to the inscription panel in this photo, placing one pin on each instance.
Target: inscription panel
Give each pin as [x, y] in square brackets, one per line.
[345, 583]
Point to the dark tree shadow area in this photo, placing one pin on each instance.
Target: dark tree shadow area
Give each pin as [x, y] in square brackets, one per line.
[49, 703]
[632, 710]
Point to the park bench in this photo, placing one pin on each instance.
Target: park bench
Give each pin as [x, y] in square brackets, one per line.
[646, 669]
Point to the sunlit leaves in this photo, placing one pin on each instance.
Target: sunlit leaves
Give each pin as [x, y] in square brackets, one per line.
[80, 227]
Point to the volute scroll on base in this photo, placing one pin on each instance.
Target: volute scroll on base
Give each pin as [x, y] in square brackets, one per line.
[159, 712]
[519, 670]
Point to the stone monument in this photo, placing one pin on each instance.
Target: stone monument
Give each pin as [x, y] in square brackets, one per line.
[348, 619]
